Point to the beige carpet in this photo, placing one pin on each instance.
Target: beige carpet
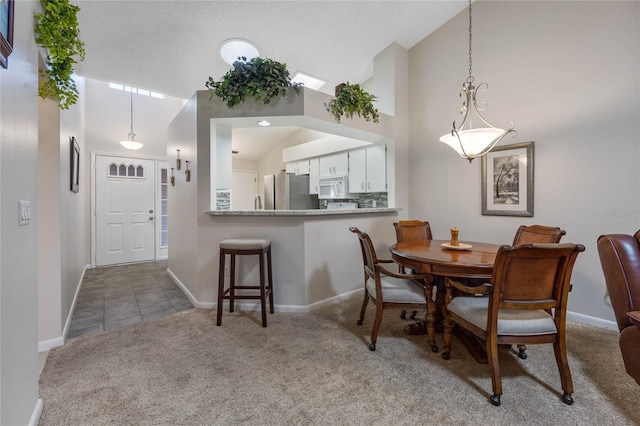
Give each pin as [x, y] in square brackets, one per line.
[316, 369]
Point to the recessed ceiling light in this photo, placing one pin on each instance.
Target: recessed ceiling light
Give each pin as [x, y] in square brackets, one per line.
[264, 123]
[230, 50]
[308, 81]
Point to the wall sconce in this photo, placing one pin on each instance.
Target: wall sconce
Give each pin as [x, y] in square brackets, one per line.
[187, 172]
[178, 161]
[172, 179]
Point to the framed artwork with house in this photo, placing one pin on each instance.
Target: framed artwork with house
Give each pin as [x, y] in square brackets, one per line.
[6, 31]
[507, 180]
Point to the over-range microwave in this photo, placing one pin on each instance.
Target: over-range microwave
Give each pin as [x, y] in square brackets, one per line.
[334, 188]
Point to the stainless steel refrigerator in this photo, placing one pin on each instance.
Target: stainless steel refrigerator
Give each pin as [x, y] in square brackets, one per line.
[288, 192]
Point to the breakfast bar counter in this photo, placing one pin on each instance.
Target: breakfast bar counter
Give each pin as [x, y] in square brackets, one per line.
[316, 260]
[314, 212]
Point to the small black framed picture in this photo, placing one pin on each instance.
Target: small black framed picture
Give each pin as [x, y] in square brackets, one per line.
[75, 164]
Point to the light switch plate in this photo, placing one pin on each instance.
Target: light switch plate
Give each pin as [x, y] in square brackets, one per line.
[24, 213]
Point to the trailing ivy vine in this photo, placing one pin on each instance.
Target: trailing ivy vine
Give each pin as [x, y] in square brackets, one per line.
[261, 79]
[352, 99]
[56, 29]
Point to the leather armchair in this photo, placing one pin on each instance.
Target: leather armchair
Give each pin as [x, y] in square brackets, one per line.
[620, 260]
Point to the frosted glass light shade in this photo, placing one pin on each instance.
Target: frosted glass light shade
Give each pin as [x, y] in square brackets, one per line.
[474, 141]
[131, 143]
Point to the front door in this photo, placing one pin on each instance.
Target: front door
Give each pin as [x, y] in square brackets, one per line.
[125, 210]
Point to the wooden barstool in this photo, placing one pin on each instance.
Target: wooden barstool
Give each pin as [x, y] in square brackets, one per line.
[242, 247]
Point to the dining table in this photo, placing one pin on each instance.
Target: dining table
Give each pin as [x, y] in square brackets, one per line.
[469, 260]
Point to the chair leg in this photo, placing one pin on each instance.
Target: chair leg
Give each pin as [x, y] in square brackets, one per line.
[220, 288]
[364, 306]
[232, 282]
[560, 350]
[494, 368]
[270, 275]
[263, 292]
[376, 326]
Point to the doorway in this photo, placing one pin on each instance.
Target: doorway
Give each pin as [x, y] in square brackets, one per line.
[244, 188]
[124, 210]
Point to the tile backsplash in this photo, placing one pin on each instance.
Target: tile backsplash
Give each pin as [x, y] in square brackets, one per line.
[365, 200]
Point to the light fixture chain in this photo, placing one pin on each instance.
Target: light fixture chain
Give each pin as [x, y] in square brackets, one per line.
[131, 111]
[470, 79]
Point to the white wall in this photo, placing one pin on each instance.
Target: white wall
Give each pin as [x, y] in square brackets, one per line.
[18, 244]
[49, 255]
[108, 120]
[567, 74]
[75, 234]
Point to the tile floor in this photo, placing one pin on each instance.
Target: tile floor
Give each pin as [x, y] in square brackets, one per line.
[115, 296]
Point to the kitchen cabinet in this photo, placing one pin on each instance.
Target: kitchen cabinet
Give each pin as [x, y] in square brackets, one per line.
[368, 169]
[334, 165]
[298, 167]
[314, 175]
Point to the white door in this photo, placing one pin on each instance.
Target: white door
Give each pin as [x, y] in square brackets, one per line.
[244, 188]
[125, 210]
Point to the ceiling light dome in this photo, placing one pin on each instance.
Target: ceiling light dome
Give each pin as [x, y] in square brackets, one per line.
[230, 50]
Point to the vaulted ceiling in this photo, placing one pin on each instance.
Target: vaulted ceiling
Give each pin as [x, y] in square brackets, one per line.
[172, 46]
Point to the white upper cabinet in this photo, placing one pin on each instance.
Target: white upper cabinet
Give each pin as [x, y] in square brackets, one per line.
[368, 169]
[314, 175]
[298, 167]
[334, 165]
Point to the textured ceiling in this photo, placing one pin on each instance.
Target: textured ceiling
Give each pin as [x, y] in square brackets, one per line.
[171, 46]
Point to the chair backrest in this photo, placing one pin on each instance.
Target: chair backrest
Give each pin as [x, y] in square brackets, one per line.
[412, 230]
[368, 252]
[620, 261]
[537, 234]
[533, 276]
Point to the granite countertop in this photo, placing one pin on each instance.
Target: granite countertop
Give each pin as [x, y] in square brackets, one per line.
[315, 212]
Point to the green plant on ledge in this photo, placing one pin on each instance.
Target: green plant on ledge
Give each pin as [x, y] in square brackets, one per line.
[351, 99]
[56, 29]
[261, 79]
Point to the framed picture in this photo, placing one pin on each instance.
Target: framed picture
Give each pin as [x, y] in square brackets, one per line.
[507, 180]
[6, 31]
[75, 164]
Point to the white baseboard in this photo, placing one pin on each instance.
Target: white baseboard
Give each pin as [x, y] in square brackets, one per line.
[332, 300]
[191, 297]
[50, 344]
[37, 412]
[589, 320]
[255, 306]
[59, 341]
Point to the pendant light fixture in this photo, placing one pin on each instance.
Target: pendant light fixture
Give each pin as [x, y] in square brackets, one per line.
[131, 143]
[471, 143]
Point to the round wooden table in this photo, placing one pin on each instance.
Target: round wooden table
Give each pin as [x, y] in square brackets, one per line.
[431, 257]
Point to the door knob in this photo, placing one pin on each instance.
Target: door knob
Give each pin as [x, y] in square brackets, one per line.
[150, 211]
[151, 218]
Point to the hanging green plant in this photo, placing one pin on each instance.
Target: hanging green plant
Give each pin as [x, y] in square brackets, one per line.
[351, 99]
[56, 29]
[261, 79]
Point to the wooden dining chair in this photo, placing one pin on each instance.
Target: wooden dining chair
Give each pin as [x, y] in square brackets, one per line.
[411, 230]
[528, 281]
[389, 289]
[536, 234]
